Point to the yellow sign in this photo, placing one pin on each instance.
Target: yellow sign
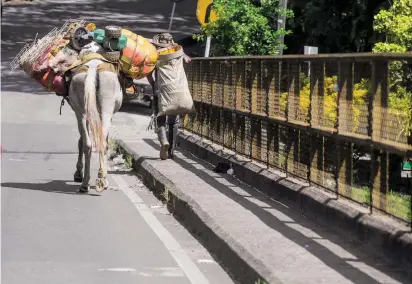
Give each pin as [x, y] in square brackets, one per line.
[204, 12]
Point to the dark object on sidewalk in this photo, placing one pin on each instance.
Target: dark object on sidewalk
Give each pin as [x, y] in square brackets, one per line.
[222, 168]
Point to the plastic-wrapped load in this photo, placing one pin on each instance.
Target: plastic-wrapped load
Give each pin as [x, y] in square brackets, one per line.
[48, 69]
[138, 57]
[63, 59]
[173, 89]
[46, 59]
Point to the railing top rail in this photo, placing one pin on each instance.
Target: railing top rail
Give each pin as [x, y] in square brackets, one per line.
[330, 56]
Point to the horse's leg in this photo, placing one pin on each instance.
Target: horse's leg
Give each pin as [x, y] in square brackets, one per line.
[102, 174]
[78, 175]
[109, 99]
[87, 150]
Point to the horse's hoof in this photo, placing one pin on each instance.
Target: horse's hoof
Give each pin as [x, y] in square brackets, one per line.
[83, 189]
[106, 184]
[100, 184]
[77, 177]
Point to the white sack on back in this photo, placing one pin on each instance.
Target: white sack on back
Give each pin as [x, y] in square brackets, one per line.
[92, 47]
[172, 86]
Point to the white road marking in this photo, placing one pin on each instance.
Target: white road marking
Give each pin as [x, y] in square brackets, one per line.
[149, 272]
[192, 272]
[118, 269]
[205, 261]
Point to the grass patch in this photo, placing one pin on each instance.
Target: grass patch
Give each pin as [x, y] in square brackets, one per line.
[128, 161]
[259, 281]
[361, 194]
[113, 145]
[397, 204]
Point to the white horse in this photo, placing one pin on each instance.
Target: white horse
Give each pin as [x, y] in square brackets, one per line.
[94, 97]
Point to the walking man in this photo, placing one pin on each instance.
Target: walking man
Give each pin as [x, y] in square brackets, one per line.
[167, 139]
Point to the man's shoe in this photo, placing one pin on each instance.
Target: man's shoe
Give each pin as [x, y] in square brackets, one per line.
[172, 140]
[164, 152]
[164, 144]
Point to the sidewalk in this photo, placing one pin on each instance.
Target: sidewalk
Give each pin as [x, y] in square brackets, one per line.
[250, 234]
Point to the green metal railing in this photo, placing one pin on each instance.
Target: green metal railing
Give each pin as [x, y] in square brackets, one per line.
[341, 122]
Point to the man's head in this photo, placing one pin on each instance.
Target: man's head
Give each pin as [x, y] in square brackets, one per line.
[163, 40]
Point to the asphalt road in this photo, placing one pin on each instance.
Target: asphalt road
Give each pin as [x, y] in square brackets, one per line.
[49, 233]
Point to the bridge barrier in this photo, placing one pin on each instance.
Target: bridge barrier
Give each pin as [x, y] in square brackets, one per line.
[342, 122]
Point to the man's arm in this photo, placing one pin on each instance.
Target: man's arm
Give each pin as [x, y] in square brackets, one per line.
[152, 83]
[151, 80]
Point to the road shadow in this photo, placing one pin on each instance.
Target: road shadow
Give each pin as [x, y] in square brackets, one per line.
[55, 186]
[323, 242]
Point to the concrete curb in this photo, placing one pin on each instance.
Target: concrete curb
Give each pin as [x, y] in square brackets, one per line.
[241, 265]
[394, 242]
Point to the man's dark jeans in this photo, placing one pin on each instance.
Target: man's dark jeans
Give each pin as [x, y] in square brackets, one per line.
[171, 120]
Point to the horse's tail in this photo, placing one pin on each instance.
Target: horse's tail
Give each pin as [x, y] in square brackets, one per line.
[92, 114]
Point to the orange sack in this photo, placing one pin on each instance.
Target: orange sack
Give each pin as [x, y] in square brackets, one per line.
[138, 57]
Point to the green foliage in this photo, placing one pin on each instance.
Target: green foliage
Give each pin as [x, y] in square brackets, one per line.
[400, 109]
[245, 28]
[400, 104]
[396, 24]
[330, 100]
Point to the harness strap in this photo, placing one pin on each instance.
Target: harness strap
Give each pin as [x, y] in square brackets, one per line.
[101, 68]
[86, 59]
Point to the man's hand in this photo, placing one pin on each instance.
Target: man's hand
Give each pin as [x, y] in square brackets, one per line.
[187, 59]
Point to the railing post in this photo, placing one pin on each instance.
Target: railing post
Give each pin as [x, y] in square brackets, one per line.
[240, 97]
[209, 97]
[232, 100]
[317, 78]
[255, 81]
[240, 84]
[344, 166]
[265, 86]
[315, 113]
[292, 150]
[202, 99]
[197, 95]
[254, 85]
[294, 89]
[248, 108]
[345, 96]
[222, 80]
[270, 86]
[380, 159]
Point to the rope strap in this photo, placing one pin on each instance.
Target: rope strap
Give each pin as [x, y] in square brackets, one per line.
[62, 104]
